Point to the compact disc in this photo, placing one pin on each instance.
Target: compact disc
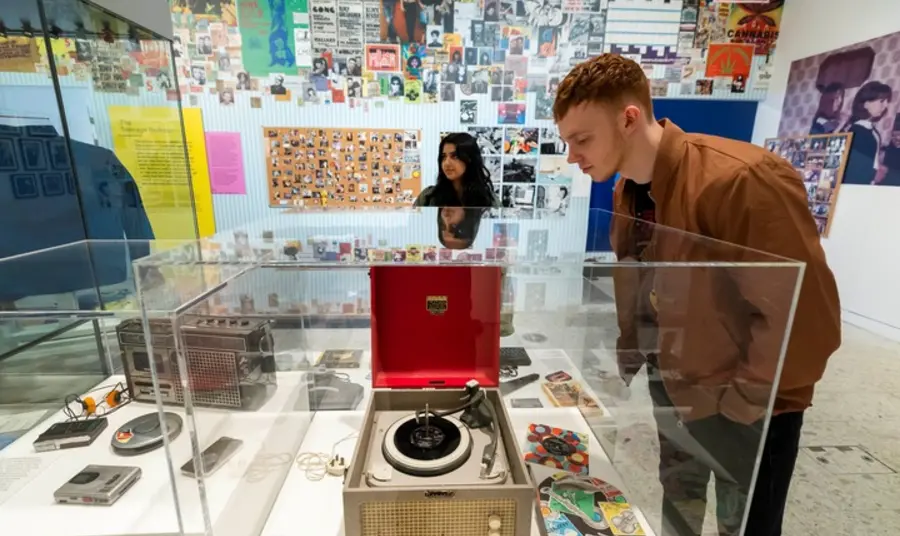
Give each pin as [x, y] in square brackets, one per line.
[429, 447]
[144, 433]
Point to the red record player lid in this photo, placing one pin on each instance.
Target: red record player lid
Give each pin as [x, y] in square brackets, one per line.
[435, 326]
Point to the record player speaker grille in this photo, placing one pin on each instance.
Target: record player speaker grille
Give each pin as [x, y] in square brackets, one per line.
[437, 517]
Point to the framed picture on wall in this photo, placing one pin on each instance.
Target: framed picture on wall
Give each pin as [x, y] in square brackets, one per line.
[32, 153]
[8, 161]
[59, 158]
[821, 161]
[24, 186]
[53, 184]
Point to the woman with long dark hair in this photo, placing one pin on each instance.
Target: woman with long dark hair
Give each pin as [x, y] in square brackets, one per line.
[463, 193]
[463, 180]
[870, 105]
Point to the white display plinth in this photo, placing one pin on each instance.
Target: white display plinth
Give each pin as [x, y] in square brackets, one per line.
[302, 506]
[148, 507]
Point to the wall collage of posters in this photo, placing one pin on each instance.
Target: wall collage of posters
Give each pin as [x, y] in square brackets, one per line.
[499, 62]
[428, 51]
[366, 53]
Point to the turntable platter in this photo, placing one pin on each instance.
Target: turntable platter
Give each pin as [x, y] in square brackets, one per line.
[427, 449]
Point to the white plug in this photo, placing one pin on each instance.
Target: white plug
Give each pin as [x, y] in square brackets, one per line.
[336, 466]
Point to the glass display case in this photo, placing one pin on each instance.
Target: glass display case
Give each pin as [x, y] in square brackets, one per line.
[65, 407]
[318, 359]
[92, 147]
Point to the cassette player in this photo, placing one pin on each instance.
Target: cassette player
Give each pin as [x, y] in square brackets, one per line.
[70, 434]
[230, 361]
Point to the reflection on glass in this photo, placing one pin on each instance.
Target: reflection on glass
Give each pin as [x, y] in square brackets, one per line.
[458, 227]
[92, 146]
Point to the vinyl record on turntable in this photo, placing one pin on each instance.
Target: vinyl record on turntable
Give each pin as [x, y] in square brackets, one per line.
[144, 434]
[427, 447]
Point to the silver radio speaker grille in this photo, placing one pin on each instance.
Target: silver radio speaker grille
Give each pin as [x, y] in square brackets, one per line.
[213, 379]
[437, 517]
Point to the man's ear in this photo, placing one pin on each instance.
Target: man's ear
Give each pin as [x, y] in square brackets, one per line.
[632, 115]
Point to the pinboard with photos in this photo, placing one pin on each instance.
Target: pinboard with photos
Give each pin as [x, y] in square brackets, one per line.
[821, 160]
[342, 167]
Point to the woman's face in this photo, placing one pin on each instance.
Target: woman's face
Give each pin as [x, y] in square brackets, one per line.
[838, 101]
[452, 215]
[395, 86]
[451, 165]
[876, 108]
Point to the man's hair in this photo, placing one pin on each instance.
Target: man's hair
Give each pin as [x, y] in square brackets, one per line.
[608, 78]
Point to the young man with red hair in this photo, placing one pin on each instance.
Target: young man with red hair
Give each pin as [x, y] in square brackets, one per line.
[719, 375]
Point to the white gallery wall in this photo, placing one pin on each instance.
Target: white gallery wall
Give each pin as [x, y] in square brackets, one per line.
[863, 246]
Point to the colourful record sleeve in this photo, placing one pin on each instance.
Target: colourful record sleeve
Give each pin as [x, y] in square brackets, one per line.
[559, 525]
[621, 519]
[559, 448]
[578, 504]
[414, 253]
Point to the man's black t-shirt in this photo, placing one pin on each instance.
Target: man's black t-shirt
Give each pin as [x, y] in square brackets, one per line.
[645, 218]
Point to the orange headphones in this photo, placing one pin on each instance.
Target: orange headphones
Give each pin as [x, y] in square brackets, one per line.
[90, 406]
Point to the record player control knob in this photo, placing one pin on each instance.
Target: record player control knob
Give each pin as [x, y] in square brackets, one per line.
[494, 523]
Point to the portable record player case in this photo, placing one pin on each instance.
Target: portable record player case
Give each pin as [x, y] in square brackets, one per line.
[435, 328]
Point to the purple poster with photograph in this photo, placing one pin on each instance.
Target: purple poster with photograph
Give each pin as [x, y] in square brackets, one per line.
[855, 90]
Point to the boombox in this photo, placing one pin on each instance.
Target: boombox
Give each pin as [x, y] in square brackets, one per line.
[230, 362]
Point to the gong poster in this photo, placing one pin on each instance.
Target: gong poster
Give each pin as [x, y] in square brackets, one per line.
[342, 167]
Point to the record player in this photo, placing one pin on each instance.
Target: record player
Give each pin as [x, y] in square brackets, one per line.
[437, 455]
